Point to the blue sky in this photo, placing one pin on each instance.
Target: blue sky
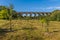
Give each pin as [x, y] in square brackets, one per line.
[33, 5]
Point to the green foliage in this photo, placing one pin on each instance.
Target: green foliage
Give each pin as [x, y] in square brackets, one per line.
[14, 15]
[3, 13]
[55, 16]
[45, 19]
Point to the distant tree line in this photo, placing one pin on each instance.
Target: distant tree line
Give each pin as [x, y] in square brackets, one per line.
[5, 13]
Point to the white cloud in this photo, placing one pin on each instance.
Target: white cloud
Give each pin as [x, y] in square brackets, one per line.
[49, 8]
[53, 7]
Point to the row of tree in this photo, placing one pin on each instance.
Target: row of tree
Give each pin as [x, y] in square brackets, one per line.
[5, 14]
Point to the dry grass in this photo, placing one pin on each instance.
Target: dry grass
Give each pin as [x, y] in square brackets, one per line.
[30, 30]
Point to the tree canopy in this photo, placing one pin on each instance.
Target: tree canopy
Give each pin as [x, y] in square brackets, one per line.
[55, 15]
[5, 12]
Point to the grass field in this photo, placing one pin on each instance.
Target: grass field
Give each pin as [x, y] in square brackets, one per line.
[29, 30]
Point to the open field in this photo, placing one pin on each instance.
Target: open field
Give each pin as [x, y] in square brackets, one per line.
[30, 30]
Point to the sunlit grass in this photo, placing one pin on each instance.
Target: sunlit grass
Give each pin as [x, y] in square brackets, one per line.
[32, 29]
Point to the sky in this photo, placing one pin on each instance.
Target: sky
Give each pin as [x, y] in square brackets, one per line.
[32, 5]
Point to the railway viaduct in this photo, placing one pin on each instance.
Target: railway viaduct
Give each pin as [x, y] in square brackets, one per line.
[34, 14]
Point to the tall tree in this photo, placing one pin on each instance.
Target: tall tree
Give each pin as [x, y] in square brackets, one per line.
[10, 16]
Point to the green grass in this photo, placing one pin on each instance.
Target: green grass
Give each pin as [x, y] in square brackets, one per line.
[30, 30]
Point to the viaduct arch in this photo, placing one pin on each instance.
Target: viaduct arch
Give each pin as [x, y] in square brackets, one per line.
[33, 14]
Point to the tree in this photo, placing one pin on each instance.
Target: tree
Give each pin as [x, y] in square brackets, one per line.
[55, 16]
[10, 17]
[3, 12]
[45, 19]
[14, 15]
